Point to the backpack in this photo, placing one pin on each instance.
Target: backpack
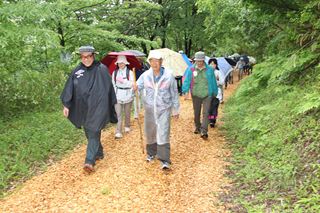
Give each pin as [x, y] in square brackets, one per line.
[116, 73]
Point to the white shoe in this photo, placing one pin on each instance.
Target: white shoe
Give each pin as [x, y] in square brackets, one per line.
[165, 165]
[127, 129]
[118, 135]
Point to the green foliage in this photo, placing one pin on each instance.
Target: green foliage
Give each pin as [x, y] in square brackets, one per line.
[30, 91]
[30, 142]
[36, 35]
[244, 26]
[274, 120]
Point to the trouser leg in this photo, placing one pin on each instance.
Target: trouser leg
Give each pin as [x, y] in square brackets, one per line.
[163, 136]
[100, 151]
[196, 102]
[119, 111]
[205, 120]
[222, 90]
[127, 112]
[163, 152]
[150, 130]
[94, 145]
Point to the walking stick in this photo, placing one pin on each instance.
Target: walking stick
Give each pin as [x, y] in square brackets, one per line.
[138, 119]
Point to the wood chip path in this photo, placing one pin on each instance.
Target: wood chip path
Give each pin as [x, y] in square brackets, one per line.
[125, 182]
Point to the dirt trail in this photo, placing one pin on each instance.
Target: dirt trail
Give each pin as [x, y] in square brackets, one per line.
[124, 182]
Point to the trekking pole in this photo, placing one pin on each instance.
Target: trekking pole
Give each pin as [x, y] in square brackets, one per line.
[138, 119]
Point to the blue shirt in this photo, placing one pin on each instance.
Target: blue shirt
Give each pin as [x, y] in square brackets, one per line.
[157, 78]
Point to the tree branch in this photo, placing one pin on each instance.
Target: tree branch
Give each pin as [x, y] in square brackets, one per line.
[93, 5]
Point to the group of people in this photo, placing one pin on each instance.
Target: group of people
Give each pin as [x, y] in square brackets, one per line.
[92, 98]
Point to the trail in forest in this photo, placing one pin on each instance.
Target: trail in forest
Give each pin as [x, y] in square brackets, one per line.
[125, 182]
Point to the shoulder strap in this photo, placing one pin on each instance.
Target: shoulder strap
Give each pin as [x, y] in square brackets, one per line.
[128, 73]
[115, 75]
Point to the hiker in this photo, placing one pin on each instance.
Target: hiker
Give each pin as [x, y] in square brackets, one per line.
[122, 79]
[160, 102]
[201, 81]
[215, 101]
[88, 100]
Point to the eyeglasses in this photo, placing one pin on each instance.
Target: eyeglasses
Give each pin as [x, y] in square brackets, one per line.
[86, 56]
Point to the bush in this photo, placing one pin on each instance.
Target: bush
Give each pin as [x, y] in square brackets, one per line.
[273, 120]
[29, 90]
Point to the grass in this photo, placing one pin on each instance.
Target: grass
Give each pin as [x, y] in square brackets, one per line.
[275, 134]
[30, 142]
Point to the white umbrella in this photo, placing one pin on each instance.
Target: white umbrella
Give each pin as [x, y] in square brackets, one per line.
[173, 61]
[224, 66]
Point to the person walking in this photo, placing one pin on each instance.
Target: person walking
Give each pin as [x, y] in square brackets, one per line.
[215, 101]
[201, 81]
[88, 100]
[123, 80]
[160, 102]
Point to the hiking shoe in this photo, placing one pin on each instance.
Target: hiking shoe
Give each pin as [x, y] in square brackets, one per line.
[204, 135]
[196, 131]
[165, 165]
[118, 136]
[212, 123]
[127, 129]
[150, 158]
[88, 168]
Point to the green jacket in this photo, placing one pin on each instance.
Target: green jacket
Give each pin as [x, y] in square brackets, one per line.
[188, 80]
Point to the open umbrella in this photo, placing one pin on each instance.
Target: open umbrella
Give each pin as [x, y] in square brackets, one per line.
[186, 59]
[252, 60]
[173, 61]
[245, 58]
[224, 67]
[136, 53]
[231, 61]
[110, 59]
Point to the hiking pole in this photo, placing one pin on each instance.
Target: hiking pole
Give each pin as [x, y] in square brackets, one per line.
[138, 119]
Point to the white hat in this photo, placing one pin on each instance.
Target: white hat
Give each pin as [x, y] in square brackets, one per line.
[121, 59]
[154, 54]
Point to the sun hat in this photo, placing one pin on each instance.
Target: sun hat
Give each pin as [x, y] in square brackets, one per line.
[199, 56]
[155, 54]
[121, 59]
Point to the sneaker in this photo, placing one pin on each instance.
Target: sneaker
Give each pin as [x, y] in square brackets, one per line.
[196, 131]
[127, 129]
[118, 136]
[204, 135]
[212, 123]
[88, 168]
[150, 158]
[165, 165]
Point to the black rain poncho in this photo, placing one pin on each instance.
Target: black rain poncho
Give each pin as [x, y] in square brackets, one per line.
[90, 97]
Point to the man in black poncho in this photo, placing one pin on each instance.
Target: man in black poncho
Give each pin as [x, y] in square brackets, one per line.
[88, 101]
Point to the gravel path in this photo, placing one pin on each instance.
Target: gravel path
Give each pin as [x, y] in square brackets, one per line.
[124, 182]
